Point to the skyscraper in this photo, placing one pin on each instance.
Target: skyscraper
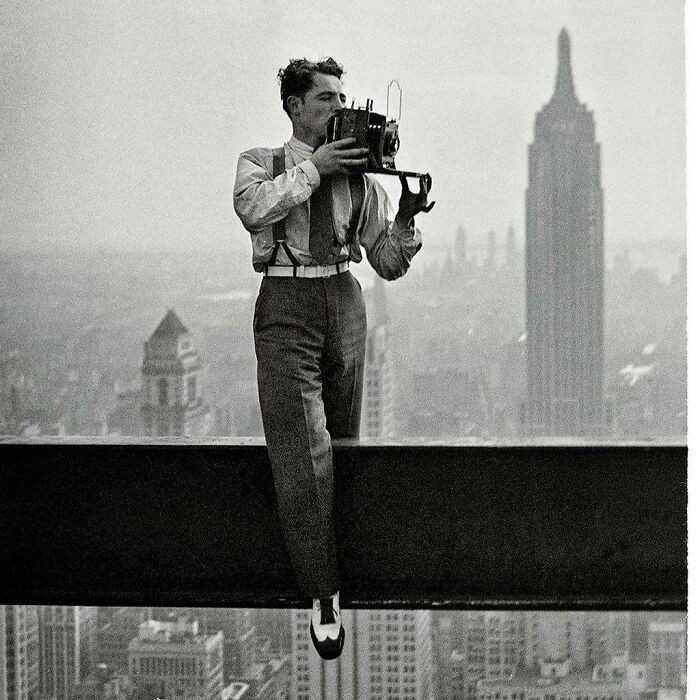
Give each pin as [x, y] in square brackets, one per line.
[565, 266]
[172, 382]
[239, 637]
[608, 635]
[554, 636]
[388, 654]
[378, 404]
[666, 664]
[492, 649]
[511, 252]
[444, 656]
[67, 647]
[19, 652]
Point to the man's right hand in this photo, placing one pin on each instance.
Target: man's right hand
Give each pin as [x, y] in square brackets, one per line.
[338, 157]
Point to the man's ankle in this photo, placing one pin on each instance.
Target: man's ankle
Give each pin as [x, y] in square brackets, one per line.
[335, 597]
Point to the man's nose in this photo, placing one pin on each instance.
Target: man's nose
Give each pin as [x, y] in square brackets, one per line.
[337, 103]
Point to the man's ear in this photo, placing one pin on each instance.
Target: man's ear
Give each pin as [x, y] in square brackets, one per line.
[294, 104]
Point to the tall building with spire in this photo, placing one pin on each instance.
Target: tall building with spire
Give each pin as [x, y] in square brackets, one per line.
[565, 266]
[172, 374]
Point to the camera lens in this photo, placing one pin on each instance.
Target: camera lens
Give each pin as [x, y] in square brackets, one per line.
[391, 140]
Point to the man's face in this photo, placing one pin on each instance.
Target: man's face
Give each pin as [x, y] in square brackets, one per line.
[313, 111]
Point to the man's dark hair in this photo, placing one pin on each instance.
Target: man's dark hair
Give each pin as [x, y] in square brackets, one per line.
[297, 78]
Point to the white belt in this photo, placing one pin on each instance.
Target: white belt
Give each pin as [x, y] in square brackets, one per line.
[306, 270]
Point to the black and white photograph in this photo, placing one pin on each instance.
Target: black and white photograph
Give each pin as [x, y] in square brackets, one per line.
[344, 350]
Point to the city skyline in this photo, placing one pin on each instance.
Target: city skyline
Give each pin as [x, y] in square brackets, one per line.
[451, 347]
[140, 178]
[131, 157]
[132, 653]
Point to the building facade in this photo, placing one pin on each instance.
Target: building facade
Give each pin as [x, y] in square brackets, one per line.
[67, 648]
[388, 656]
[173, 381]
[114, 636]
[239, 637]
[491, 648]
[378, 401]
[564, 265]
[666, 664]
[19, 652]
[173, 660]
[555, 681]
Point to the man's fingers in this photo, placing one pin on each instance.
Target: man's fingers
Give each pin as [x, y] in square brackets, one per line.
[344, 142]
[347, 165]
[352, 153]
[346, 148]
[429, 207]
[426, 182]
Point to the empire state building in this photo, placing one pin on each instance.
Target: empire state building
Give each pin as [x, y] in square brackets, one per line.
[565, 266]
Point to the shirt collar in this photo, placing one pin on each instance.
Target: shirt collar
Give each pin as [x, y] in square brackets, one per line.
[299, 147]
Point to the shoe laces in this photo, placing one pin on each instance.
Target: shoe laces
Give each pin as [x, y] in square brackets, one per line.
[327, 611]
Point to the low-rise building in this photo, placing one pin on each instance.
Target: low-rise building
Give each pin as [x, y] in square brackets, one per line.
[173, 660]
[554, 680]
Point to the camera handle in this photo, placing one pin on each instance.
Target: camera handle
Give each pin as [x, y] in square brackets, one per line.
[388, 88]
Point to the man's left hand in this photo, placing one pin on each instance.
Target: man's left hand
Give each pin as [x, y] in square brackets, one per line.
[411, 202]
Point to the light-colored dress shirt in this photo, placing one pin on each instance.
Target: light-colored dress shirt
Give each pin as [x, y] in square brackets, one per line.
[260, 201]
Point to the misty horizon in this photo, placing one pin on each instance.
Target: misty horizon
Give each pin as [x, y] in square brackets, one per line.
[127, 139]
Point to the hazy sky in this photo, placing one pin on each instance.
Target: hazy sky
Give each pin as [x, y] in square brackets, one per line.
[121, 121]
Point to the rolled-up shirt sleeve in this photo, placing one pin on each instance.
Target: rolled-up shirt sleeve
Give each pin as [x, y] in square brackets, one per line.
[259, 199]
[389, 247]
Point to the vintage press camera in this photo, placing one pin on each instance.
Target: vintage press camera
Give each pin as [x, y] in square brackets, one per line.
[372, 131]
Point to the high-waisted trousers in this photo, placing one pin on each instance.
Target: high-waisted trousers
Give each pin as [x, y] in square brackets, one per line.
[310, 347]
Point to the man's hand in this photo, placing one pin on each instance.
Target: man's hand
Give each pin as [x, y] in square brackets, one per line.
[338, 157]
[411, 203]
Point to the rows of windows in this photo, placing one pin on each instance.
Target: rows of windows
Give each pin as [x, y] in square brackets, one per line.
[547, 696]
[392, 616]
[159, 666]
[163, 390]
[670, 643]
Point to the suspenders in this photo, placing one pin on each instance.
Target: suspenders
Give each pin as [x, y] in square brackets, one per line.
[357, 194]
[279, 231]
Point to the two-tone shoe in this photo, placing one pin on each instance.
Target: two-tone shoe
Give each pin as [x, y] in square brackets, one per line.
[326, 627]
